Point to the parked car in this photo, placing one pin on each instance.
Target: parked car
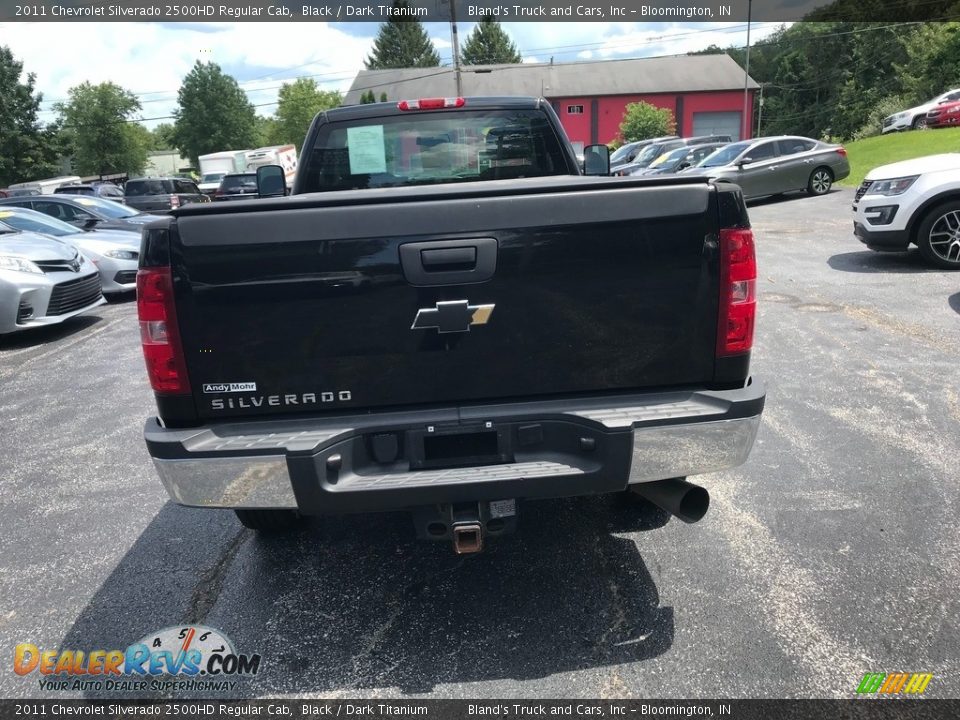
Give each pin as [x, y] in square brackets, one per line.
[626, 154]
[944, 115]
[84, 211]
[162, 194]
[912, 202]
[916, 117]
[114, 252]
[43, 281]
[237, 186]
[22, 192]
[680, 159]
[210, 182]
[511, 343]
[655, 150]
[775, 165]
[105, 190]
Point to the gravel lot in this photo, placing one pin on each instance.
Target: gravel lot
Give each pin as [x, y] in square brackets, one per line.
[833, 552]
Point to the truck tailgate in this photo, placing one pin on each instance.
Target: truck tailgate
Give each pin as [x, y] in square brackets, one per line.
[414, 296]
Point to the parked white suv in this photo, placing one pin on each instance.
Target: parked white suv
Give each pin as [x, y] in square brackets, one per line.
[916, 117]
[915, 201]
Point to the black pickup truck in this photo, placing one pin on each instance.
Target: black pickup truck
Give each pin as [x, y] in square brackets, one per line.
[446, 316]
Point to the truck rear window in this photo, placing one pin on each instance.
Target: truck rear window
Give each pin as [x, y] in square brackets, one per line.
[431, 148]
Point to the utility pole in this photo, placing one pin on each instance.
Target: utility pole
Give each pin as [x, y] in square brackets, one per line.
[746, 78]
[456, 46]
[760, 112]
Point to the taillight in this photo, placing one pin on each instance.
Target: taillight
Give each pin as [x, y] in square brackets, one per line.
[842, 151]
[431, 103]
[738, 292]
[159, 335]
[174, 201]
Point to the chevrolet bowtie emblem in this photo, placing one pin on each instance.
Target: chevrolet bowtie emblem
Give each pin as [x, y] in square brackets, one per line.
[452, 316]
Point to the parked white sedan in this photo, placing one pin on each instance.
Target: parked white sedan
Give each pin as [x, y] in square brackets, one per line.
[43, 281]
[114, 252]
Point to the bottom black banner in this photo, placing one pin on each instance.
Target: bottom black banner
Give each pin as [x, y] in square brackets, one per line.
[867, 709]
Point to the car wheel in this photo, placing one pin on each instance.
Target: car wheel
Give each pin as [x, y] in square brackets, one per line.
[820, 182]
[269, 520]
[919, 122]
[938, 236]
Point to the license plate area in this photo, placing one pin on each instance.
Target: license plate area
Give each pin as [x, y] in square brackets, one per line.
[439, 447]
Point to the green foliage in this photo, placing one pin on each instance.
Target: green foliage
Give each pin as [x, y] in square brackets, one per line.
[368, 97]
[98, 119]
[213, 114]
[264, 131]
[489, 44]
[932, 61]
[27, 151]
[402, 42]
[867, 154]
[162, 137]
[383, 97]
[642, 120]
[298, 104]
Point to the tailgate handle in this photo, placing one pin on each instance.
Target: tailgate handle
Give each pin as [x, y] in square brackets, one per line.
[449, 262]
[461, 258]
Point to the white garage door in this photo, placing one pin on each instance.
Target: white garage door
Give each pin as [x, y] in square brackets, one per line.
[717, 123]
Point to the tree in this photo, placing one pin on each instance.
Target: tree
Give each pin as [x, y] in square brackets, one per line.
[299, 102]
[367, 97]
[162, 137]
[489, 44]
[214, 114]
[383, 97]
[642, 120]
[27, 151]
[104, 136]
[402, 42]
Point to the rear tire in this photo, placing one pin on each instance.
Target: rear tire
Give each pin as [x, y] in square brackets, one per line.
[820, 182]
[919, 122]
[938, 236]
[271, 521]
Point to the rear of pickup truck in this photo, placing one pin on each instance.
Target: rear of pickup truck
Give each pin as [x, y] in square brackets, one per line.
[450, 349]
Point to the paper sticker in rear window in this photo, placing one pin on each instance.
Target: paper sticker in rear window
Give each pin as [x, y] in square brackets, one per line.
[366, 150]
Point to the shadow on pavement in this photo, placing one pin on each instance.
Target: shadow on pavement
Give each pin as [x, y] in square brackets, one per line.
[356, 603]
[954, 301]
[51, 333]
[868, 261]
[121, 297]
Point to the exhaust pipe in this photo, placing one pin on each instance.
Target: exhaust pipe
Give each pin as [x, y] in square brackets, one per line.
[685, 500]
[467, 538]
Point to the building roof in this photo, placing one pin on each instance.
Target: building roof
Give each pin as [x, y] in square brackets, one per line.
[641, 76]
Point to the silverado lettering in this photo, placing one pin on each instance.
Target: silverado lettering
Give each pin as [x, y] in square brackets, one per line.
[618, 358]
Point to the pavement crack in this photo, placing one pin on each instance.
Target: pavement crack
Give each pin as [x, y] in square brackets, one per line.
[208, 588]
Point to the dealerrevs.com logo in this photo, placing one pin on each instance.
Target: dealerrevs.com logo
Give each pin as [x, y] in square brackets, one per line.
[189, 658]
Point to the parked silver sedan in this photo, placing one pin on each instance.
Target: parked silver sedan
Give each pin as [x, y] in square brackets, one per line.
[775, 165]
[43, 281]
[114, 252]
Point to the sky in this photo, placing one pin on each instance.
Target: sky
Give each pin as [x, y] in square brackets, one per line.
[151, 59]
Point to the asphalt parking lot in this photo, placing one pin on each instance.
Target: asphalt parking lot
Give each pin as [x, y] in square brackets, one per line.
[833, 552]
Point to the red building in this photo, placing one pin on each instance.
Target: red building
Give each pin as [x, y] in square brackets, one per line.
[705, 93]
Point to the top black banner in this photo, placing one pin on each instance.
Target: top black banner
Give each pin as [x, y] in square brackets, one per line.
[472, 10]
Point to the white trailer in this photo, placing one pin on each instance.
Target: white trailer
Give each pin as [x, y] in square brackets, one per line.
[215, 165]
[283, 155]
[46, 187]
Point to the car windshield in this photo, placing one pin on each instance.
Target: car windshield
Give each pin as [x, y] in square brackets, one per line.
[136, 188]
[66, 189]
[649, 154]
[32, 221]
[672, 157]
[109, 208]
[620, 154]
[212, 177]
[725, 155]
[239, 183]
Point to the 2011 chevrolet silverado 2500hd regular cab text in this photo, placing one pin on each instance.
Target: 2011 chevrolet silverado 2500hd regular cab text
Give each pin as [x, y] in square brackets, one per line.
[445, 316]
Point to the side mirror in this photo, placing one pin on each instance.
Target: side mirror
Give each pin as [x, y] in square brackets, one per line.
[90, 223]
[683, 166]
[744, 161]
[596, 160]
[271, 181]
